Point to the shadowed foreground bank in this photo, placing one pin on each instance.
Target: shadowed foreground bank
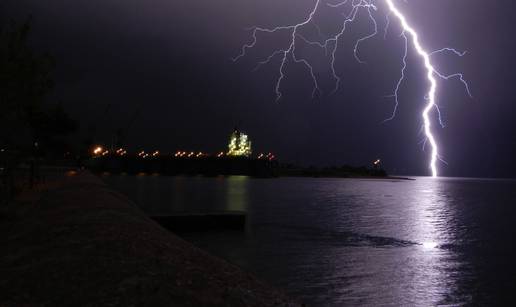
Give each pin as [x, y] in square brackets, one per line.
[79, 243]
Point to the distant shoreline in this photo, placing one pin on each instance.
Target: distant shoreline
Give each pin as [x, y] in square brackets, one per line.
[271, 177]
[353, 177]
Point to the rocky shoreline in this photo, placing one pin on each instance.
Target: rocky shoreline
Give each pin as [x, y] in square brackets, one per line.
[78, 243]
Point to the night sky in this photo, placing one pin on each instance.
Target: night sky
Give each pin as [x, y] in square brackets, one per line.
[168, 64]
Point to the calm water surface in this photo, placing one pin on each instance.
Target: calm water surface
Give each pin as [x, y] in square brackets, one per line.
[334, 242]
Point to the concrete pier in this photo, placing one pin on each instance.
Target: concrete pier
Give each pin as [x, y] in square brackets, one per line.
[210, 221]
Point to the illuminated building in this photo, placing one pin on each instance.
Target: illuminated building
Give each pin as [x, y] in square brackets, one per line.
[239, 145]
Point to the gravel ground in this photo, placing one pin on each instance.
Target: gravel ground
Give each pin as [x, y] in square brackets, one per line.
[75, 242]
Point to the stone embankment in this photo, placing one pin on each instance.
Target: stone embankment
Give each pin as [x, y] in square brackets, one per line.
[76, 242]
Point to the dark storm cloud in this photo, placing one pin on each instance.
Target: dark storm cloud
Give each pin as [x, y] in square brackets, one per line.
[169, 61]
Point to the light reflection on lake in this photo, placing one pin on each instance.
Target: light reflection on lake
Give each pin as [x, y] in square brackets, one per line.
[334, 242]
[165, 195]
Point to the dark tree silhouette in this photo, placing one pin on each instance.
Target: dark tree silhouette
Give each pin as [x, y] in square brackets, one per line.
[29, 126]
[25, 81]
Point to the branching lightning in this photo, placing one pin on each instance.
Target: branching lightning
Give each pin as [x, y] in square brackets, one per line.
[331, 43]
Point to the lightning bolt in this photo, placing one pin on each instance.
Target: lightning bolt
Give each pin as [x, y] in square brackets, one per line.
[331, 43]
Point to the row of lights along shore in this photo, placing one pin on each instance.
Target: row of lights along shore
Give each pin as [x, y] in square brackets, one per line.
[99, 151]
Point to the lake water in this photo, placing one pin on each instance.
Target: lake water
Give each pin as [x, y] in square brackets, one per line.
[334, 242]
